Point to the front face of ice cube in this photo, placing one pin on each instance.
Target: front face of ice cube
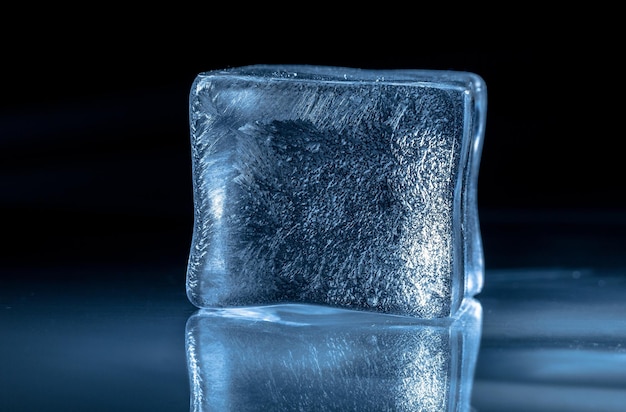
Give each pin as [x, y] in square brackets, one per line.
[346, 194]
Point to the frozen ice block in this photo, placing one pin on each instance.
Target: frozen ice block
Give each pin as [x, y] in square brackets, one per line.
[317, 358]
[336, 186]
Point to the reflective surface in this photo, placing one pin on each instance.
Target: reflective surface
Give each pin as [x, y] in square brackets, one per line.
[552, 340]
[76, 344]
[314, 358]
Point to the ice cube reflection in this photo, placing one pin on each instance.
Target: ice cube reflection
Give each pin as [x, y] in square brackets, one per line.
[303, 358]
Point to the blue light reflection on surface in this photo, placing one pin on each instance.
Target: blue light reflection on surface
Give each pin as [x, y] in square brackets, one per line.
[302, 357]
[553, 340]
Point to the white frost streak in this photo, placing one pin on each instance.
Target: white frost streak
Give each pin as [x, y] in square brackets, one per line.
[334, 110]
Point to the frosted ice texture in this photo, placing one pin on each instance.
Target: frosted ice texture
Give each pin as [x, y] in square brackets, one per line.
[304, 358]
[336, 186]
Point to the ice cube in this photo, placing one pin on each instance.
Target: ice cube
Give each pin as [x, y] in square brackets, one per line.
[336, 186]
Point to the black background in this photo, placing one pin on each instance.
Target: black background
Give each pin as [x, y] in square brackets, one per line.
[94, 139]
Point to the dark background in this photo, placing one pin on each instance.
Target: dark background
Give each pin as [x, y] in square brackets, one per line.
[94, 140]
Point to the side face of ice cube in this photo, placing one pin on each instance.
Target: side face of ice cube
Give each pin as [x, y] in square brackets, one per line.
[336, 186]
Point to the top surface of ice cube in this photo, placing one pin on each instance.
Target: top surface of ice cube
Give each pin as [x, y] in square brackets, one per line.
[309, 73]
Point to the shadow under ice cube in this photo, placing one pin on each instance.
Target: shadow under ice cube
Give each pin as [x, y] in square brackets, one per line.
[336, 186]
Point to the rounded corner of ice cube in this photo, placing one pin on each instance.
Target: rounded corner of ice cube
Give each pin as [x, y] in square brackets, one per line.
[198, 82]
[477, 83]
[193, 296]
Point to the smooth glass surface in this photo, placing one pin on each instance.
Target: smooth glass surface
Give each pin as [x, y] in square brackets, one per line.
[336, 186]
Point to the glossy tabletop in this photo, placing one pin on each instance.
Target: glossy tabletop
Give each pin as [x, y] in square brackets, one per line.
[551, 340]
